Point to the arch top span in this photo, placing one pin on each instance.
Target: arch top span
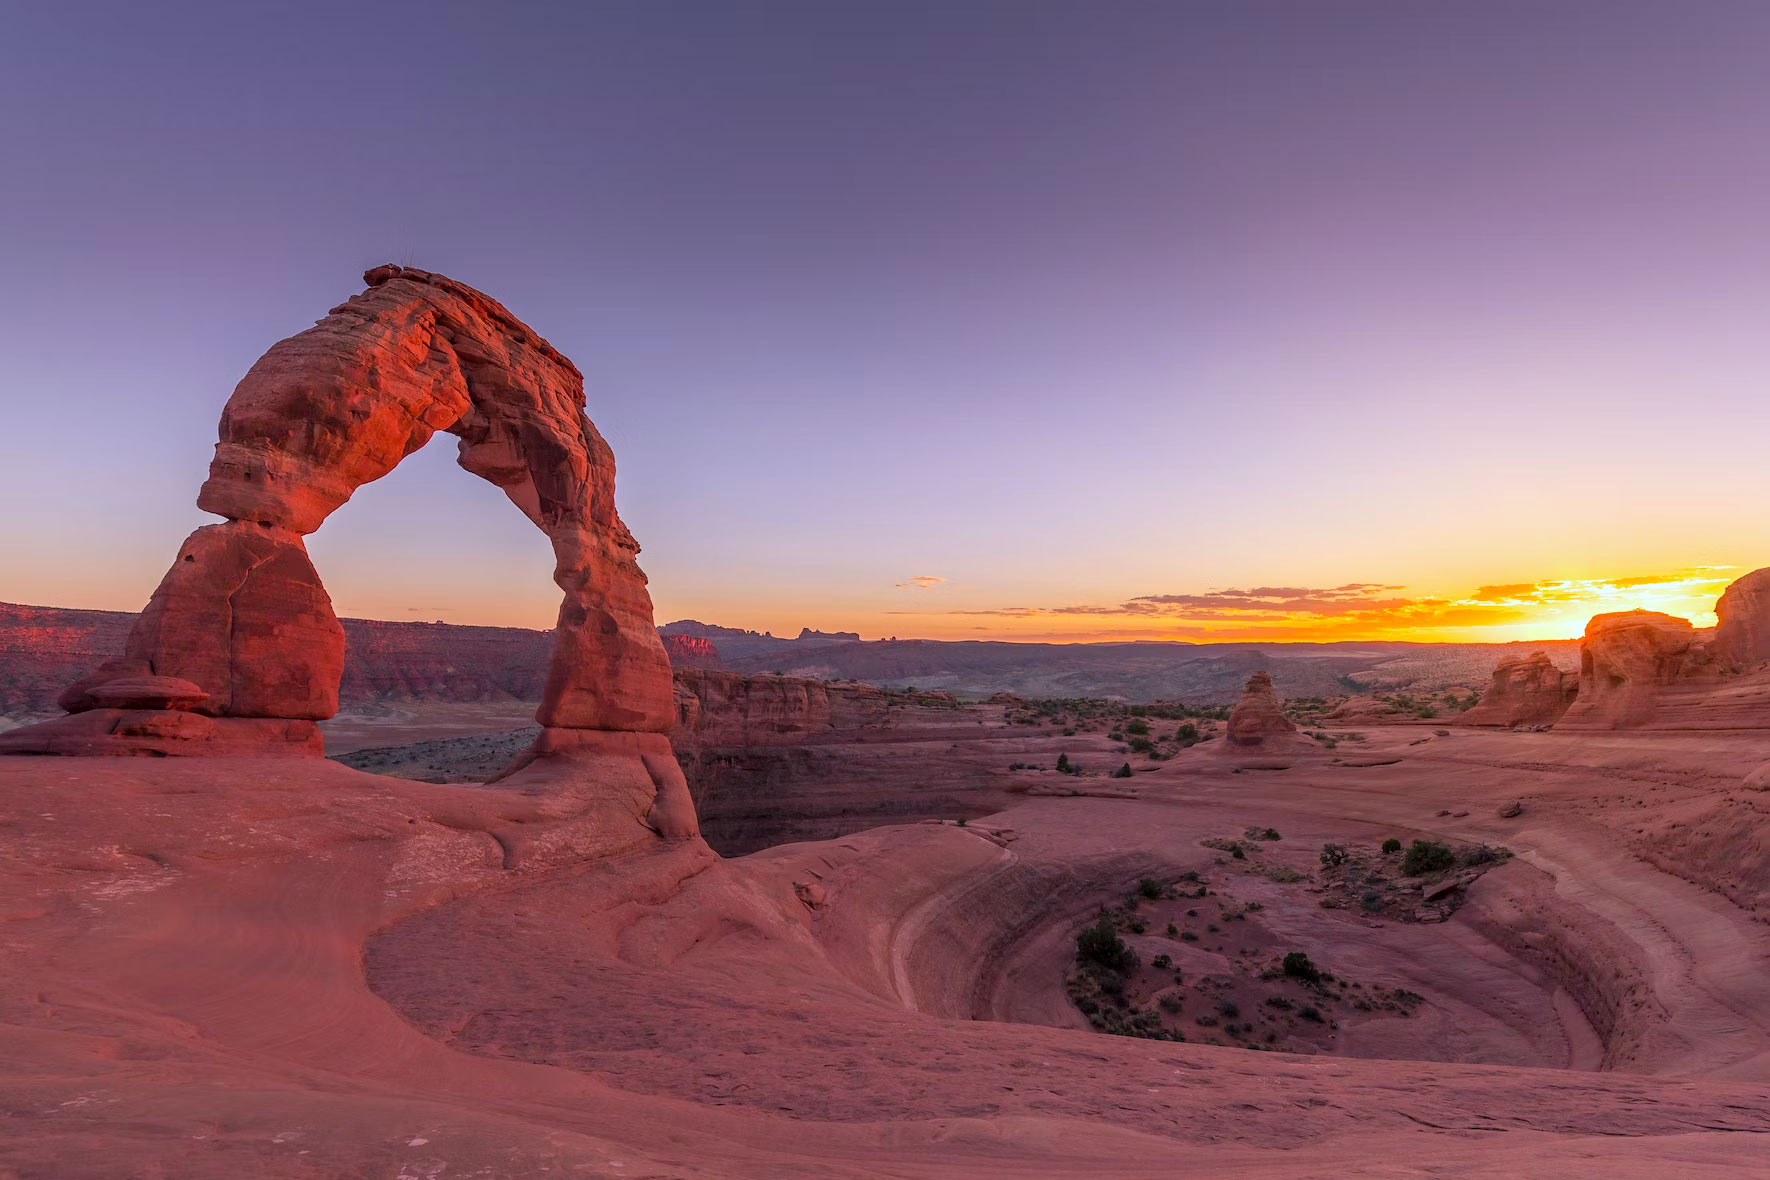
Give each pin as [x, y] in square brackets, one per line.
[241, 627]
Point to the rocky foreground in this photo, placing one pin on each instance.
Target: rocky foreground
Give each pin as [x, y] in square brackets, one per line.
[287, 968]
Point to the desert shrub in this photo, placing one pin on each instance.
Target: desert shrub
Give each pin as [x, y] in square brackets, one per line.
[1228, 1008]
[1283, 875]
[1310, 1012]
[1101, 946]
[1137, 725]
[1279, 1002]
[1138, 925]
[1392, 845]
[1172, 930]
[1334, 854]
[1161, 962]
[1486, 854]
[1016, 766]
[1372, 900]
[1069, 731]
[1115, 736]
[1187, 734]
[1298, 966]
[1212, 928]
[1171, 1003]
[1141, 745]
[1427, 856]
[1149, 887]
[1063, 764]
[1123, 771]
[1237, 853]
[1188, 936]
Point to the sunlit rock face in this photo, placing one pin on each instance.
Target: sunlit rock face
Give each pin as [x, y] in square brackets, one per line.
[1525, 691]
[1625, 660]
[1742, 635]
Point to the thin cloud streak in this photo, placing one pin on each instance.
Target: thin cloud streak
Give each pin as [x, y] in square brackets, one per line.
[1374, 609]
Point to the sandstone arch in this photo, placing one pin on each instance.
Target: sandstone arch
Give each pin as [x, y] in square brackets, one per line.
[239, 646]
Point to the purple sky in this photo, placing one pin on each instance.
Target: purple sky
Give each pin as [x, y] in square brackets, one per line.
[1064, 304]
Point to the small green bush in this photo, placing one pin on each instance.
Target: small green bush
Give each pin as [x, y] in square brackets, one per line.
[1298, 966]
[1123, 771]
[1427, 856]
[1392, 845]
[1101, 946]
[1334, 854]
[1149, 887]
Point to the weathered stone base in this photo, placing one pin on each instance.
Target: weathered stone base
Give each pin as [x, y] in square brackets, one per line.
[160, 733]
[563, 758]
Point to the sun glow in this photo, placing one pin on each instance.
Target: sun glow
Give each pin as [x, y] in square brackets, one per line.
[1541, 610]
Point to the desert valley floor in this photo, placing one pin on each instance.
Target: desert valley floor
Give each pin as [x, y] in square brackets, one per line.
[283, 967]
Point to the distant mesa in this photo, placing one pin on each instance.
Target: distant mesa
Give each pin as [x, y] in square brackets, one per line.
[691, 651]
[806, 633]
[1526, 691]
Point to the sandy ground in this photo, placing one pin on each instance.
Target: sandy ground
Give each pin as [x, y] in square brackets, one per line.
[291, 968]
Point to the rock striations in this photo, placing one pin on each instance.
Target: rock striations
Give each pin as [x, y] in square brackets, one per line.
[242, 615]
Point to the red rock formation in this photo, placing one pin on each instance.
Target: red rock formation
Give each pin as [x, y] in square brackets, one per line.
[243, 615]
[691, 651]
[1742, 636]
[1625, 660]
[1257, 718]
[1525, 691]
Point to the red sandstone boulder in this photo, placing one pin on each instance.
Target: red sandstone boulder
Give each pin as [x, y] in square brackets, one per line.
[1256, 718]
[242, 614]
[1742, 636]
[1525, 691]
[149, 692]
[1625, 659]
